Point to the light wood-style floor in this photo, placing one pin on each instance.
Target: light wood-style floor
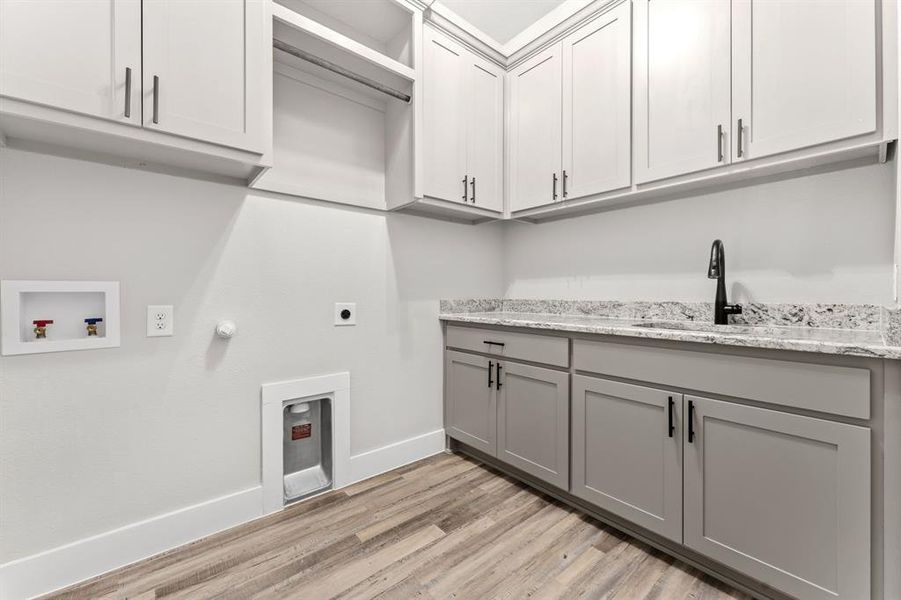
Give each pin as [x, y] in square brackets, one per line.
[444, 527]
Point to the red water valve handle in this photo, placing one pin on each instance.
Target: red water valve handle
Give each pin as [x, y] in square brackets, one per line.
[42, 322]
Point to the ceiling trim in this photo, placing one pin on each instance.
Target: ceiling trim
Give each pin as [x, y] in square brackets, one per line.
[436, 7]
[558, 23]
[550, 20]
[524, 38]
[588, 12]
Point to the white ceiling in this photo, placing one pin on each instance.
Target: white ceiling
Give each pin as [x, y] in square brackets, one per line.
[502, 19]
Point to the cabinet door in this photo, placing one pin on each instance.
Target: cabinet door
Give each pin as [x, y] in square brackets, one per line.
[536, 97]
[533, 421]
[597, 112]
[682, 86]
[804, 73]
[471, 400]
[780, 497]
[73, 55]
[203, 70]
[485, 138]
[444, 117]
[627, 452]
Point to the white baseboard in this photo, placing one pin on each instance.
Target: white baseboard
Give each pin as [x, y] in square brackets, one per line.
[63, 566]
[375, 462]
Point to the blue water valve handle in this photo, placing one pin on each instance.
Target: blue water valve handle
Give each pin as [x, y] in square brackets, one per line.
[92, 326]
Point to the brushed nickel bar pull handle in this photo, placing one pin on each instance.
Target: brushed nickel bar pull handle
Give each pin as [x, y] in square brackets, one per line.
[472, 182]
[554, 188]
[127, 92]
[565, 176]
[719, 143]
[740, 138]
[156, 99]
[466, 188]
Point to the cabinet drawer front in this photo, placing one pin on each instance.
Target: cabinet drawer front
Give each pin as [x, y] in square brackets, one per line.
[824, 388]
[520, 346]
[627, 452]
[780, 497]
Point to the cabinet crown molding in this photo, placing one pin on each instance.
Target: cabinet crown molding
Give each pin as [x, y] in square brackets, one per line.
[508, 56]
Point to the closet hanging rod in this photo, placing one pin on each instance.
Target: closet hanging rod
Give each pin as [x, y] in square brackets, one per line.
[330, 66]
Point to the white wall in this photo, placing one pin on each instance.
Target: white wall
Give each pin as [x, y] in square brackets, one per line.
[827, 237]
[90, 441]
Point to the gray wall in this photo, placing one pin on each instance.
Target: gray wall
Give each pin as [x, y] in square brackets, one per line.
[821, 238]
[91, 441]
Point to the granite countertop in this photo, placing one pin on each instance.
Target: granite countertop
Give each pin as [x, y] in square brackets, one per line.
[779, 327]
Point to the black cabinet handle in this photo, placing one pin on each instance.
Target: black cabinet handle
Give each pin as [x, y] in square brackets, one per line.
[691, 422]
[564, 182]
[472, 183]
[490, 343]
[490, 366]
[466, 188]
[740, 138]
[554, 187]
[671, 424]
[498, 384]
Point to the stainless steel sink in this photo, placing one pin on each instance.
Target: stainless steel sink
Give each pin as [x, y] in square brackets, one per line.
[689, 326]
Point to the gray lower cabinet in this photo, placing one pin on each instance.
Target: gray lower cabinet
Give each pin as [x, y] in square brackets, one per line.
[533, 421]
[471, 400]
[781, 497]
[627, 452]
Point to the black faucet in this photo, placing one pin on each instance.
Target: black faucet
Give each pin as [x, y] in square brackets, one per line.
[717, 270]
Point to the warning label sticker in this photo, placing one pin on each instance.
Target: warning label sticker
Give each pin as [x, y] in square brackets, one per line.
[299, 432]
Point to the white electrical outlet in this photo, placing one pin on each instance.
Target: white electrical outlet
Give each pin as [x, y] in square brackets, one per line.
[345, 313]
[160, 320]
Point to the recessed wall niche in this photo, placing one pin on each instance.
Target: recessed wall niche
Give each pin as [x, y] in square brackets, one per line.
[57, 316]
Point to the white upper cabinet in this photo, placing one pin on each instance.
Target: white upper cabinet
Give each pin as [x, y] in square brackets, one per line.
[485, 139]
[77, 56]
[682, 86]
[463, 122]
[536, 130]
[597, 92]
[444, 117]
[203, 69]
[571, 115]
[804, 73]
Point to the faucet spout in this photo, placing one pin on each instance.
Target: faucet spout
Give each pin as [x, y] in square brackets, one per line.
[717, 270]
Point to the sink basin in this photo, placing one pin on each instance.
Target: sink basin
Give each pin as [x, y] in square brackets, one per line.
[689, 326]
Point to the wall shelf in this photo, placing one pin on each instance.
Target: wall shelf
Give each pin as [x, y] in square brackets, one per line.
[284, 15]
[337, 138]
[68, 304]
